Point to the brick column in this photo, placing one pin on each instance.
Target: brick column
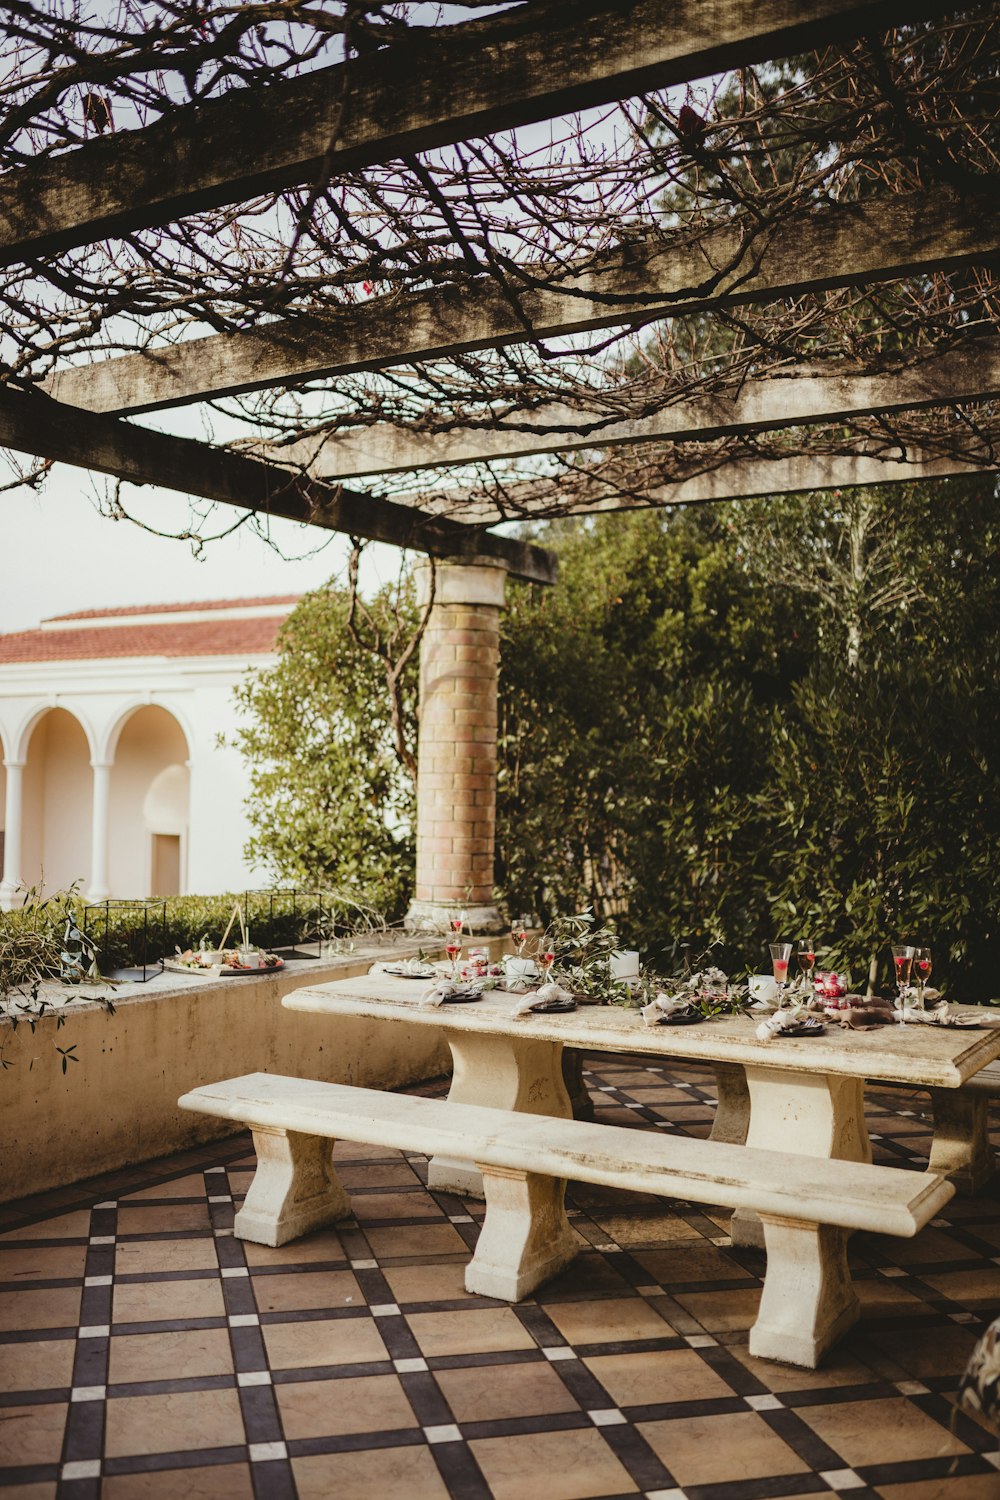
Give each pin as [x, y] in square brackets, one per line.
[457, 748]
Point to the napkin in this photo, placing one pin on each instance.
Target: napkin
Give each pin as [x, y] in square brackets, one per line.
[663, 1006]
[546, 997]
[864, 1017]
[779, 1021]
[940, 1015]
[447, 989]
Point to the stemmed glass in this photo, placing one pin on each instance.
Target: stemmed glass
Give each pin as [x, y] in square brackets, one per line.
[780, 955]
[547, 957]
[806, 955]
[519, 935]
[453, 948]
[902, 957]
[923, 966]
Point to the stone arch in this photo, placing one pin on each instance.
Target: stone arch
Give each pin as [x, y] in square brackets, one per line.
[148, 802]
[56, 746]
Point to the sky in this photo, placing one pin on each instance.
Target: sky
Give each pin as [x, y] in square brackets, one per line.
[58, 554]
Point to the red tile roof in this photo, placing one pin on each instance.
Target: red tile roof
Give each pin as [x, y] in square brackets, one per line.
[249, 637]
[191, 605]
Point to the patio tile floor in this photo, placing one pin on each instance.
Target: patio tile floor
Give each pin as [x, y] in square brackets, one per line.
[144, 1352]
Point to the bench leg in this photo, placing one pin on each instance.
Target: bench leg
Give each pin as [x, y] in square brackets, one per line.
[294, 1189]
[961, 1149]
[808, 1301]
[504, 1072]
[526, 1237]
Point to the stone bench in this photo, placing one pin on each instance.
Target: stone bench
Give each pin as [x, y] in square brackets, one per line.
[808, 1205]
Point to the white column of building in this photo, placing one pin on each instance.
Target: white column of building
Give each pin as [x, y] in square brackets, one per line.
[13, 822]
[99, 888]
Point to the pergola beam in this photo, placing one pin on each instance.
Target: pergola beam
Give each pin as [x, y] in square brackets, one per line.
[529, 64]
[788, 399]
[843, 245]
[33, 423]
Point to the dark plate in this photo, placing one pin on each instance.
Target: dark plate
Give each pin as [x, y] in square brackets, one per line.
[553, 1009]
[808, 1028]
[460, 999]
[681, 1019]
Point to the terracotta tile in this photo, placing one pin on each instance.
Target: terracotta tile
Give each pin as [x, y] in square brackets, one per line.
[325, 1244]
[479, 1331]
[395, 1206]
[164, 1218]
[974, 1289]
[74, 1225]
[191, 1186]
[723, 1312]
[158, 1301]
[173, 1424]
[695, 1262]
[721, 1449]
[29, 1491]
[33, 1434]
[377, 1175]
[344, 1151]
[328, 1341]
[217, 1482]
[331, 1408]
[37, 1367]
[494, 1393]
[880, 1432]
[839, 1368]
[550, 1466]
[657, 1375]
[960, 1487]
[370, 1475]
[883, 1297]
[20, 1264]
[612, 1320]
[589, 1275]
[427, 1242]
[924, 1249]
[302, 1291]
[57, 1307]
[169, 1356]
[920, 1352]
[144, 1258]
[444, 1283]
[641, 1229]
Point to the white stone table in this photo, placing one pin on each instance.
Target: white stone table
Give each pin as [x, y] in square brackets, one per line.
[806, 1093]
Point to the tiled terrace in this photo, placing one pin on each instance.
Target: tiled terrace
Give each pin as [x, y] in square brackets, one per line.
[146, 1352]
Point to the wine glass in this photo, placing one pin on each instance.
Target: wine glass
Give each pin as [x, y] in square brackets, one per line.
[547, 957]
[780, 955]
[519, 935]
[453, 948]
[923, 967]
[902, 958]
[457, 922]
[806, 954]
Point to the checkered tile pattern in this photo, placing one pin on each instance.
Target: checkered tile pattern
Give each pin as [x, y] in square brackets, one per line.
[146, 1352]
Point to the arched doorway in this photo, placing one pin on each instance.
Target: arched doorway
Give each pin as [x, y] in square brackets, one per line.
[148, 806]
[55, 848]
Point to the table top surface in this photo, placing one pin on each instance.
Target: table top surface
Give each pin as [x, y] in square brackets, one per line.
[918, 1054]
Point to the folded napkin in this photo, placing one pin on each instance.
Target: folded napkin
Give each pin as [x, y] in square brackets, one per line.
[939, 1015]
[447, 989]
[549, 996]
[864, 1017]
[781, 1021]
[664, 1006]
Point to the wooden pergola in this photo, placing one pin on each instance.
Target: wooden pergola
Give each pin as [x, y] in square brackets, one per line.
[406, 102]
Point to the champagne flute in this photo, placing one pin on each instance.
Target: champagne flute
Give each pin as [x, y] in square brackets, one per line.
[453, 948]
[806, 955]
[780, 955]
[923, 967]
[547, 956]
[519, 935]
[902, 958]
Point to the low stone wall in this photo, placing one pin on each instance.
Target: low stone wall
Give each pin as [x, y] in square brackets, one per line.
[117, 1105]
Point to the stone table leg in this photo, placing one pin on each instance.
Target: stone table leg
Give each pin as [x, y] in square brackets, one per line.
[732, 1118]
[810, 1114]
[501, 1072]
[961, 1148]
[579, 1094]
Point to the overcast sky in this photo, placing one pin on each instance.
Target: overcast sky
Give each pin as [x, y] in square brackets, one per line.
[58, 554]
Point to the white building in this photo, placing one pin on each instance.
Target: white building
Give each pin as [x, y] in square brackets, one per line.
[113, 773]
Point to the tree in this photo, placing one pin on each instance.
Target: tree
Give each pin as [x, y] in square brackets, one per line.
[331, 804]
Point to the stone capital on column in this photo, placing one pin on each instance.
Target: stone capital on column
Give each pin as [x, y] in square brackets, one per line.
[462, 581]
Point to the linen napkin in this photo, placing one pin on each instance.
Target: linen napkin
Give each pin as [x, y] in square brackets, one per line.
[664, 1006]
[549, 996]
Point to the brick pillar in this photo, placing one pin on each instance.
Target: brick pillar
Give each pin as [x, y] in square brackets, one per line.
[457, 748]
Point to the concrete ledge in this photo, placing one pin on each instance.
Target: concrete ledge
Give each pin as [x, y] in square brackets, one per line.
[117, 1105]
